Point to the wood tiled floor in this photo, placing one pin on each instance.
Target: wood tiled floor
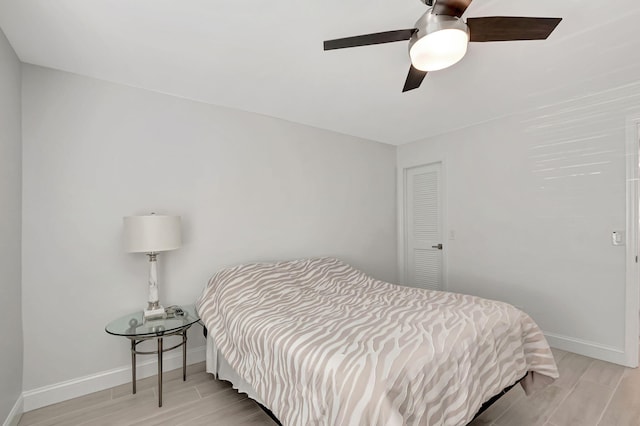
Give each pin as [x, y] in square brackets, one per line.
[201, 400]
[589, 392]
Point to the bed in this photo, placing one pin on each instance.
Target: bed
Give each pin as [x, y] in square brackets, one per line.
[319, 342]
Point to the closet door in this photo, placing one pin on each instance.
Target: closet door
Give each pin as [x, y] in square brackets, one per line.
[423, 226]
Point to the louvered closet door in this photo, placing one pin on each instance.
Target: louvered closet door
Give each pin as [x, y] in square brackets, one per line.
[423, 226]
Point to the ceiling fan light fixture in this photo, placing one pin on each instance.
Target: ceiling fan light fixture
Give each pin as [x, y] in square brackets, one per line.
[439, 50]
[440, 42]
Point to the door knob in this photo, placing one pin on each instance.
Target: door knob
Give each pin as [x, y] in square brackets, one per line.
[439, 247]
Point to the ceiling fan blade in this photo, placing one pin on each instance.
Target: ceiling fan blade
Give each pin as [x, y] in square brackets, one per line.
[507, 28]
[414, 79]
[451, 7]
[369, 39]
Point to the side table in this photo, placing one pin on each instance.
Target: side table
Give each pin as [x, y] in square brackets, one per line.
[136, 329]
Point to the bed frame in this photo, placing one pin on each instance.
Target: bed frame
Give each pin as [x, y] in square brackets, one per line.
[494, 398]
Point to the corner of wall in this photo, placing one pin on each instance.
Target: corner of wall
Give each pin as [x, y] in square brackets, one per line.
[15, 414]
[11, 368]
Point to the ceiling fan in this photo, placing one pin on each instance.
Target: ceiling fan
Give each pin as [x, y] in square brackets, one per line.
[439, 38]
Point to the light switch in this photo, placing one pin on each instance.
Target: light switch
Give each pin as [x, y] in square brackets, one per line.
[617, 238]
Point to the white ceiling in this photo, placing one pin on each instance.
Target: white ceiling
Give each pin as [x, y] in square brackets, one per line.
[266, 57]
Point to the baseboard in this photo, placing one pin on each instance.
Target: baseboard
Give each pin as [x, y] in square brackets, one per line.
[587, 348]
[74, 388]
[52, 394]
[16, 412]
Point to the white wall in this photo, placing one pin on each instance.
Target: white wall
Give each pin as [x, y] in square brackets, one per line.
[10, 229]
[532, 200]
[248, 188]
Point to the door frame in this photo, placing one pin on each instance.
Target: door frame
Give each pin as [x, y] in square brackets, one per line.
[632, 285]
[402, 219]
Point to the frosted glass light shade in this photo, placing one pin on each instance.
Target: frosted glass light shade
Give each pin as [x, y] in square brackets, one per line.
[151, 233]
[439, 49]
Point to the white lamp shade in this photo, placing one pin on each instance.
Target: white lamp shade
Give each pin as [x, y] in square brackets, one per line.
[151, 233]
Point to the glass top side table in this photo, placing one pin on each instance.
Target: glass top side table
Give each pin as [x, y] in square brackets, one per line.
[136, 329]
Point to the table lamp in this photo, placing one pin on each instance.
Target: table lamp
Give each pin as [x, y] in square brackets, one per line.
[151, 234]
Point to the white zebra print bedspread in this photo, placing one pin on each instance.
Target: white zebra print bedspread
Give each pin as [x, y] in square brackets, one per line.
[324, 344]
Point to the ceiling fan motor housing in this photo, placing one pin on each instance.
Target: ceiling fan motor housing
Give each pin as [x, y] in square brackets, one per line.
[452, 51]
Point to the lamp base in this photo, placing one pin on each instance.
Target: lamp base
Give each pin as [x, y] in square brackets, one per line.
[154, 313]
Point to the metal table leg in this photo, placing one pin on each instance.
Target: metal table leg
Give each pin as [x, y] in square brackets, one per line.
[159, 352]
[133, 364]
[159, 371]
[184, 356]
